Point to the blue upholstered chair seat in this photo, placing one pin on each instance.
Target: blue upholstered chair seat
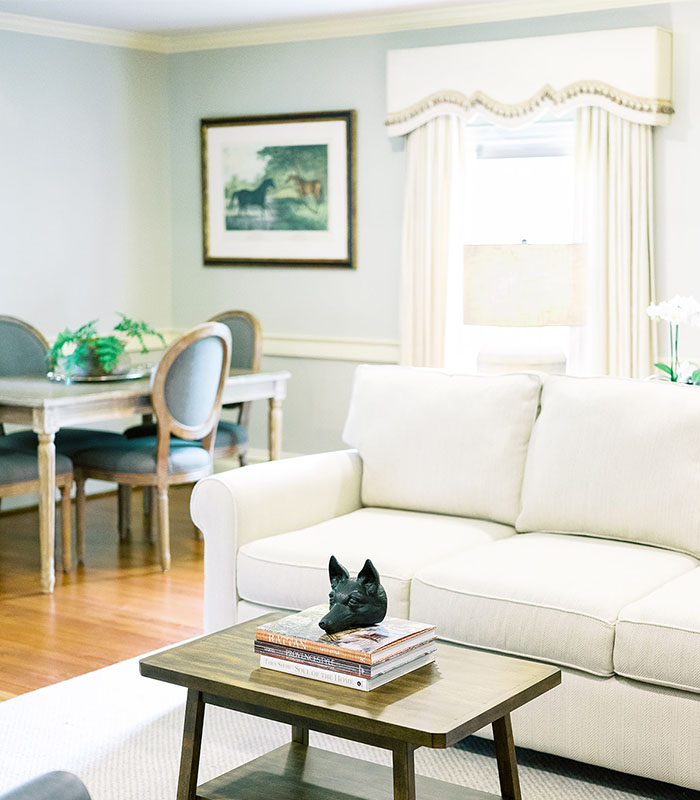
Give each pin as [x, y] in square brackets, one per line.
[228, 434]
[18, 466]
[51, 786]
[139, 456]
[68, 440]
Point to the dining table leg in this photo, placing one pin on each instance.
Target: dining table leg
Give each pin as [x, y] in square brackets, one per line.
[275, 427]
[47, 508]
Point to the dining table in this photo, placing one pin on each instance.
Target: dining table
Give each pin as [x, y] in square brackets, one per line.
[47, 406]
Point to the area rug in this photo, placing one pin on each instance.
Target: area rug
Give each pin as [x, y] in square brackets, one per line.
[121, 734]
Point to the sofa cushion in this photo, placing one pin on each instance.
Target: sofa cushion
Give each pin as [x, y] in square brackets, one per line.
[616, 458]
[658, 636]
[541, 595]
[450, 444]
[291, 570]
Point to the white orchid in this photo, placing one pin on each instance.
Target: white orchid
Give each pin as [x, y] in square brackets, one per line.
[677, 311]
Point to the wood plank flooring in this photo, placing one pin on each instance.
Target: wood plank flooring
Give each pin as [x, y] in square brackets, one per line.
[118, 605]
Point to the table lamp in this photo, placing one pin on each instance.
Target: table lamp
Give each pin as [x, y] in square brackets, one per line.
[524, 285]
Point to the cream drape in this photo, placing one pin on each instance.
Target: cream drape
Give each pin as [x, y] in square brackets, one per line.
[432, 240]
[615, 209]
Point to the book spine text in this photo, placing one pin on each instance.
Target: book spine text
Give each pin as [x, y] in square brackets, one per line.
[307, 671]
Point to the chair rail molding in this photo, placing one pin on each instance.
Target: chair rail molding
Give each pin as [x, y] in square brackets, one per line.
[378, 351]
[288, 345]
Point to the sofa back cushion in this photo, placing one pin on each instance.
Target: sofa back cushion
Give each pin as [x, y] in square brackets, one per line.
[616, 458]
[448, 444]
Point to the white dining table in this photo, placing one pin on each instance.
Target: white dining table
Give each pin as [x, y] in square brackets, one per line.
[46, 406]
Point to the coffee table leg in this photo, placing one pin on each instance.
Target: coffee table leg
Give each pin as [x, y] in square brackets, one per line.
[505, 758]
[300, 735]
[404, 772]
[191, 746]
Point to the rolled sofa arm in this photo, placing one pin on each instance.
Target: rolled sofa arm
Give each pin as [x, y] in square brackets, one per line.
[260, 500]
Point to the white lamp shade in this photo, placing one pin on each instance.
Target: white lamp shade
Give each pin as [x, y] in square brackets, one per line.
[524, 284]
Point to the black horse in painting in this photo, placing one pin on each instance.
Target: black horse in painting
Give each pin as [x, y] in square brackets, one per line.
[252, 197]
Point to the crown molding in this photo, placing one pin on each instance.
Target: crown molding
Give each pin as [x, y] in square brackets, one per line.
[38, 26]
[341, 26]
[350, 25]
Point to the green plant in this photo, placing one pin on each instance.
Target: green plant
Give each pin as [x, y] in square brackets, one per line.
[83, 349]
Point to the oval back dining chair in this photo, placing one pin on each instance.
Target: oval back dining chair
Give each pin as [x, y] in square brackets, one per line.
[246, 354]
[23, 354]
[22, 348]
[19, 474]
[186, 399]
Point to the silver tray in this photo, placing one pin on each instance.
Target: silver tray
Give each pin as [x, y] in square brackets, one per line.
[131, 375]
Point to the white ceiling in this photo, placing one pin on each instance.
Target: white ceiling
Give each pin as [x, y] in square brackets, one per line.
[170, 16]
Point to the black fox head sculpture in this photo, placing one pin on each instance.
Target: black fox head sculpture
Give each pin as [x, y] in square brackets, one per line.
[354, 602]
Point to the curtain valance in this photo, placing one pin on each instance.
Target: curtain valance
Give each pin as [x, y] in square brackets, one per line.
[626, 71]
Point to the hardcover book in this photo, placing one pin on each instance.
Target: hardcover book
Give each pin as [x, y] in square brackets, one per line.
[341, 678]
[343, 664]
[365, 645]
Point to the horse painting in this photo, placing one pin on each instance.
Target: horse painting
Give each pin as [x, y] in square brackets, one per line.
[305, 187]
[252, 197]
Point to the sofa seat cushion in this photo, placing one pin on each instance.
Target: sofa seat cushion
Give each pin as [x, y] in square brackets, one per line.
[441, 443]
[291, 570]
[545, 596]
[617, 458]
[658, 636]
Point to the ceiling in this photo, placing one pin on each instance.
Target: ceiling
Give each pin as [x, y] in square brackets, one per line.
[179, 16]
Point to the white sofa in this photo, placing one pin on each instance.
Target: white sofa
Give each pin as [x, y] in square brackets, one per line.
[548, 517]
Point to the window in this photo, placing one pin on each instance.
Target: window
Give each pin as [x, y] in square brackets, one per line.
[519, 186]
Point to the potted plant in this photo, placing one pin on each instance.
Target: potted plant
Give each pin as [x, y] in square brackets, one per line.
[677, 311]
[84, 352]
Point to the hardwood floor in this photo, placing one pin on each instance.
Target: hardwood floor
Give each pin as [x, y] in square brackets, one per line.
[118, 605]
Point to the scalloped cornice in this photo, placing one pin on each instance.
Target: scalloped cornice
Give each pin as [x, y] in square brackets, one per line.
[546, 96]
[340, 26]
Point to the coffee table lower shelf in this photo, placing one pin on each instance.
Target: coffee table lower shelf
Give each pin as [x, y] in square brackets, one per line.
[297, 772]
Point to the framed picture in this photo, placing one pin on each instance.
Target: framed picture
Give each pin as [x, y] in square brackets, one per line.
[279, 191]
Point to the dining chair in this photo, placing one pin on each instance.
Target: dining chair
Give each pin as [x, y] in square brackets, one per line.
[186, 400]
[246, 354]
[23, 353]
[19, 474]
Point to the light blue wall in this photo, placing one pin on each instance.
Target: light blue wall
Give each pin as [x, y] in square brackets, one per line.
[84, 176]
[309, 76]
[100, 197]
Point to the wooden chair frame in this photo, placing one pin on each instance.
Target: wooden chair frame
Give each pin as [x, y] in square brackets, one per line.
[243, 408]
[64, 482]
[161, 479]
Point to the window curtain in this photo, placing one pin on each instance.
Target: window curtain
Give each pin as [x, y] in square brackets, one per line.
[432, 240]
[619, 81]
[614, 185]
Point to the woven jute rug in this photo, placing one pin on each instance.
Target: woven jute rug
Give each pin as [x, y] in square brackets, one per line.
[121, 734]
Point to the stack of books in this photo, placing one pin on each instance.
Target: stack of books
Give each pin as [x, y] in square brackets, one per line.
[361, 658]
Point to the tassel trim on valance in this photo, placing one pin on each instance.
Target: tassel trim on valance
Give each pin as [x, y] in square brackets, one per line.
[514, 113]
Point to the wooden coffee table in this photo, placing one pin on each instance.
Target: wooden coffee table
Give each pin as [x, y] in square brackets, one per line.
[435, 706]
